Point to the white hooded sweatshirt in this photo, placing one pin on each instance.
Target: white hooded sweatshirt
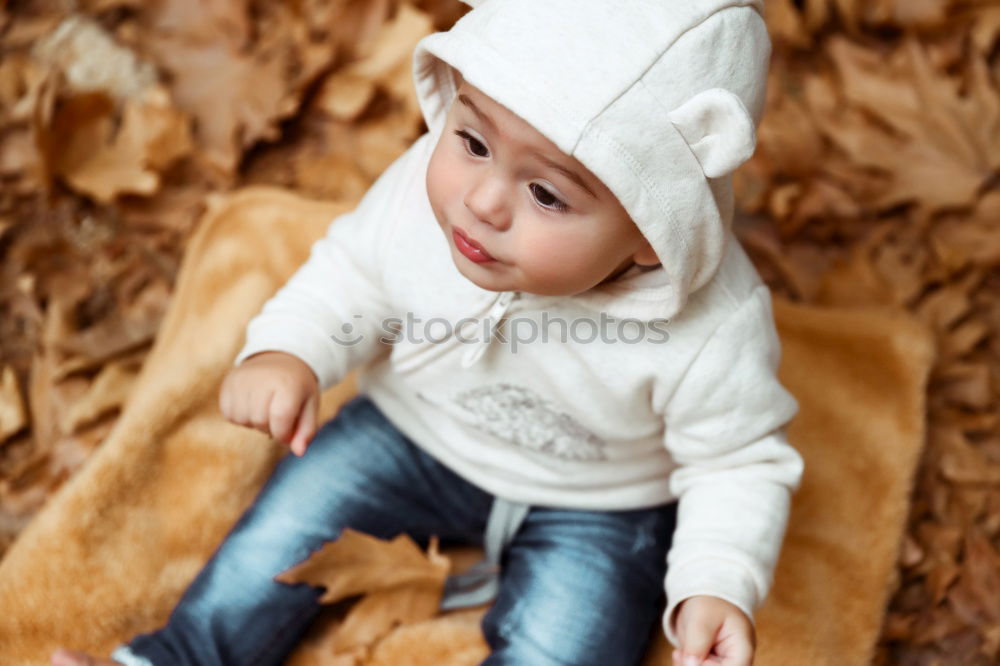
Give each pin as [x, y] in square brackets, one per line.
[659, 385]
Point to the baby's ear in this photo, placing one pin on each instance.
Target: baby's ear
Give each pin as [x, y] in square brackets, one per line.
[718, 129]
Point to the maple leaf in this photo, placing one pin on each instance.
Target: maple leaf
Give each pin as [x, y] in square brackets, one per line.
[936, 146]
[103, 161]
[358, 563]
[401, 585]
[113, 128]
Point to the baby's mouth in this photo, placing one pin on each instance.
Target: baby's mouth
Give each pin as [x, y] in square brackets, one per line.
[470, 248]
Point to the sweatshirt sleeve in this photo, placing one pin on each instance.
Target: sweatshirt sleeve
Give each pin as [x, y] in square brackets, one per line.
[725, 428]
[331, 312]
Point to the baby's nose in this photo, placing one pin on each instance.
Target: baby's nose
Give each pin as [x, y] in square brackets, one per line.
[490, 201]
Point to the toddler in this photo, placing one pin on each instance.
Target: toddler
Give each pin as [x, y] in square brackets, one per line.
[566, 355]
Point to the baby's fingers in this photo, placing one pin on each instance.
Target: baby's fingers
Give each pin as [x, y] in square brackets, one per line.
[281, 417]
[260, 408]
[736, 644]
[696, 639]
[711, 661]
[740, 655]
[306, 426]
[233, 400]
[239, 407]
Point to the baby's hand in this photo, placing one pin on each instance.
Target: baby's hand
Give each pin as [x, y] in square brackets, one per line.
[276, 393]
[713, 631]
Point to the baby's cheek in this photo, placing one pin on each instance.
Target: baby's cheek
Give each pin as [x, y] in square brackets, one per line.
[435, 187]
[442, 181]
[555, 261]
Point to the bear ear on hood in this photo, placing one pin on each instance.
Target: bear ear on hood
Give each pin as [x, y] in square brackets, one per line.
[718, 128]
[473, 3]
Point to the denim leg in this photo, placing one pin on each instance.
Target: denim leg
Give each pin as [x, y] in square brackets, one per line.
[581, 588]
[358, 472]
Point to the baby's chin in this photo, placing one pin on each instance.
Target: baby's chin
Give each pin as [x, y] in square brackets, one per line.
[491, 277]
[482, 277]
[501, 283]
[505, 277]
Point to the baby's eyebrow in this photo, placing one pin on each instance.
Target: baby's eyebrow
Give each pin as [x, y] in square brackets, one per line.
[464, 99]
[572, 175]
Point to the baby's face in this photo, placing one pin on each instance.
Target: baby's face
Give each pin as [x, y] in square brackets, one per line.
[515, 220]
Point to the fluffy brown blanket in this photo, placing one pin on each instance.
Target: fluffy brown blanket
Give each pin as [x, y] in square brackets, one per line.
[113, 550]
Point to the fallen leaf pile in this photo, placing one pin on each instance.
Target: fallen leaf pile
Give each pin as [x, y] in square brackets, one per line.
[118, 119]
[876, 183]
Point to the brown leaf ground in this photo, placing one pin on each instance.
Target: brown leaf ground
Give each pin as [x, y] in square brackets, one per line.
[875, 183]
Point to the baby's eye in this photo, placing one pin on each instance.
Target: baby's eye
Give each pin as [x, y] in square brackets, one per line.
[546, 198]
[472, 144]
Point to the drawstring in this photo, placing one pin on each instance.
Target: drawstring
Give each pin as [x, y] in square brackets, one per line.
[480, 583]
[494, 316]
[123, 655]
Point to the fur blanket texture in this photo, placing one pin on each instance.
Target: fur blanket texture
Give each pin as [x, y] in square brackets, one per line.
[113, 550]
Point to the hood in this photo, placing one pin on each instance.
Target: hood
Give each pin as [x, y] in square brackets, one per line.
[659, 99]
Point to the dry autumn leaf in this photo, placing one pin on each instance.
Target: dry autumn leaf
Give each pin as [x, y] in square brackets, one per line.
[357, 563]
[114, 128]
[104, 157]
[400, 583]
[453, 640]
[944, 146]
[236, 95]
[964, 463]
[380, 611]
[12, 413]
[91, 60]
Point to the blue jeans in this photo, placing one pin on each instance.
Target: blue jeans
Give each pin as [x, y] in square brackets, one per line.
[576, 587]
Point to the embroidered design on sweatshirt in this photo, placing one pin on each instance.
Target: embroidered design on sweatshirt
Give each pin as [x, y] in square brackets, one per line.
[520, 416]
